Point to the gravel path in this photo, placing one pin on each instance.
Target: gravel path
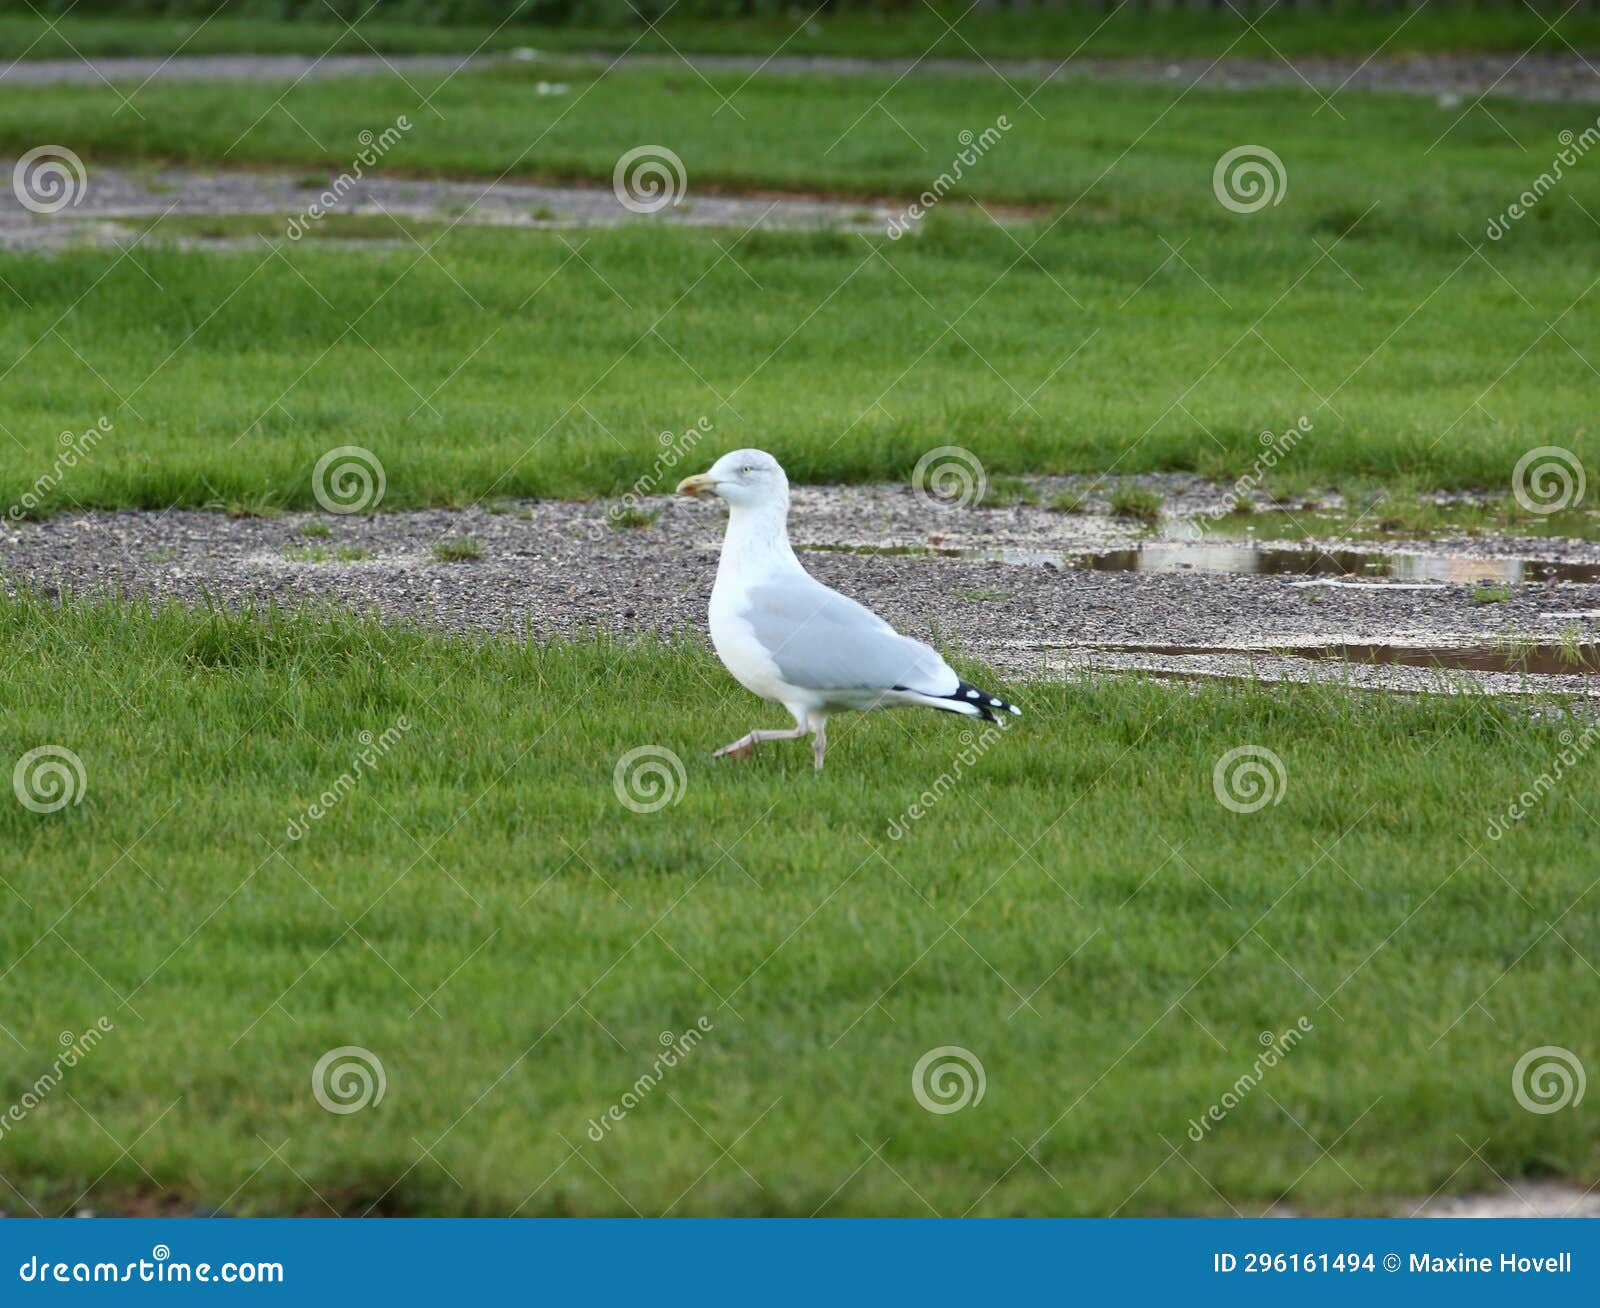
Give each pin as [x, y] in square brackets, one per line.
[1565, 75]
[563, 568]
[95, 71]
[112, 194]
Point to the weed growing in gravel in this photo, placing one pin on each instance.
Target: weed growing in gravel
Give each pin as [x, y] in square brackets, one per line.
[1136, 502]
[629, 516]
[1001, 492]
[458, 549]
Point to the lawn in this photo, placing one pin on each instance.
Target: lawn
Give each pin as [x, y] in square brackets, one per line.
[480, 913]
[948, 31]
[1121, 151]
[1130, 322]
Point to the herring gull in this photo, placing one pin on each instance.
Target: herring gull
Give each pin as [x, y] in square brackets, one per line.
[788, 638]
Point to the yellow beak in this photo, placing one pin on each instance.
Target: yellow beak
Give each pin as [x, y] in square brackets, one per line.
[702, 481]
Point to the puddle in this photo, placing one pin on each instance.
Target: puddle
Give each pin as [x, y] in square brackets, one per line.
[1244, 558]
[1549, 660]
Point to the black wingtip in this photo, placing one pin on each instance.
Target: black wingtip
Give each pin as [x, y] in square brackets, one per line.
[986, 704]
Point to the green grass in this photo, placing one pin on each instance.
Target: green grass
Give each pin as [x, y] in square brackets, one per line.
[911, 32]
[1120, 153]
[480, 911]
[458, 549]
[273, 227]
[1137, 502]
[1003, 492]
[505, 366]
[325, 554]
[628, 517]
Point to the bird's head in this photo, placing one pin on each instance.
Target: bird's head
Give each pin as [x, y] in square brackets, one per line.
[752, 478]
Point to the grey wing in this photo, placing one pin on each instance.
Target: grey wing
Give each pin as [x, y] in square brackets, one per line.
[823, 640]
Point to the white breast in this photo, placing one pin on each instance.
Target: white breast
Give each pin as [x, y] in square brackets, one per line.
[736, 644]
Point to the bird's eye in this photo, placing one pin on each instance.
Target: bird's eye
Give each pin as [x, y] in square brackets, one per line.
[747, 468]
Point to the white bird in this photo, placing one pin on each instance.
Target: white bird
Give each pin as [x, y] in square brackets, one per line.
[788, 638]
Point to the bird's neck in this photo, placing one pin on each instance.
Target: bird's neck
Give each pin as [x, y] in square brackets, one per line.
[757, 540]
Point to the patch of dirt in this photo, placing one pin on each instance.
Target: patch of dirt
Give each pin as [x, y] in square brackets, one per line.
[115, 203]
